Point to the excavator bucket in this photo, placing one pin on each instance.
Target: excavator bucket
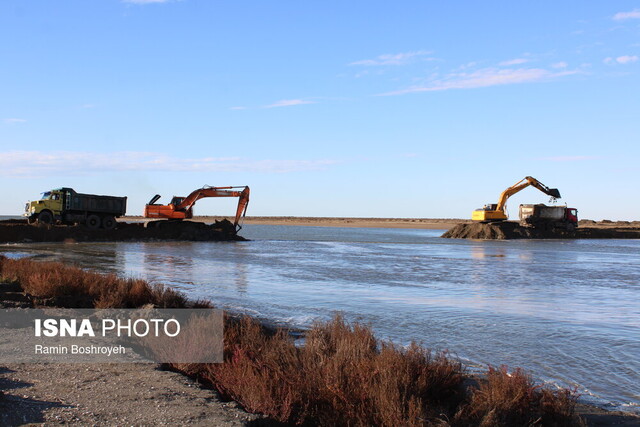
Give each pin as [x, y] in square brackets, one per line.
[553, 192]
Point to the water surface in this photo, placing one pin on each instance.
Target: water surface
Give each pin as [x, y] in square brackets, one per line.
[567, 311]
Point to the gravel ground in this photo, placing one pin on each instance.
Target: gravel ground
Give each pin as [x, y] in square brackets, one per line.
[110, 394]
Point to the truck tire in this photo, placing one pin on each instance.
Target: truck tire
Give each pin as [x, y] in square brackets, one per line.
[45, 217]
[93, 221]
[108, 222]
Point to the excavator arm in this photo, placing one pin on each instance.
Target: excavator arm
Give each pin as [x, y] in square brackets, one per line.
[521, 185]
[182, 207]
[497, 212]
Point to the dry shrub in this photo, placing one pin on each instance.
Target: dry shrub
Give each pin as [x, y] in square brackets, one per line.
[363, 382]
[261, 371]
[510, 399]
[200, 339]
[73, 287]
[558, 408]
[341, 376]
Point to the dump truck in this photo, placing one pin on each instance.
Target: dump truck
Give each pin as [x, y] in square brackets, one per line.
[548, 217]
[65, 206]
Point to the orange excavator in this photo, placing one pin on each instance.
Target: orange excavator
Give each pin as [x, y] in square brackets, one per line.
[182, 207]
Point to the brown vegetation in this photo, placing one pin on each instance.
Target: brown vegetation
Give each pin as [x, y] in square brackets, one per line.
[513, 399]
[342, 375]
[55, 284]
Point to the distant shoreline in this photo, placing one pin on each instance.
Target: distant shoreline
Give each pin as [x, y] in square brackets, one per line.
[408, 223]
[414, 223]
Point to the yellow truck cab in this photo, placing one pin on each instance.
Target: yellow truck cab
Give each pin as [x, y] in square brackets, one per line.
[51, 202]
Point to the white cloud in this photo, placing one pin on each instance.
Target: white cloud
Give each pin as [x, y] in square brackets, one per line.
[392, 59]
[635, 14]
[560, 64]
[515, 61]
[289, 103]
[42, 163]
[625, 59]
[238, 108]
[146, 1]
[14, 120]
[568, 158]
[485, 77]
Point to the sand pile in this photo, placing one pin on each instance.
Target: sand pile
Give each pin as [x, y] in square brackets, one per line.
[20, 231]
[491, 231]
[512, 230]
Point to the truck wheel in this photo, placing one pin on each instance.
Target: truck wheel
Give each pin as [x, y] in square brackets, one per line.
[93, 221]
[571, 227]
[108, 222]
[45, 217]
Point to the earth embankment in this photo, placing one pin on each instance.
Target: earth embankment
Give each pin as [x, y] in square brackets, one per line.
[14, 231]
[512, 230]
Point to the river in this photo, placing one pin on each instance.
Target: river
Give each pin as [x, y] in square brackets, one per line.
[567, 311]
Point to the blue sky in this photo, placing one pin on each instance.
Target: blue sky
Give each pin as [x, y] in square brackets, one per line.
[324, 108]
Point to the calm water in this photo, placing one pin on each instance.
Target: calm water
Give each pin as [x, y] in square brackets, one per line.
[567, 311]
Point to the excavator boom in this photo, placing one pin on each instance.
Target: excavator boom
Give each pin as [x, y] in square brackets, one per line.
[498, 211]
[182, 207]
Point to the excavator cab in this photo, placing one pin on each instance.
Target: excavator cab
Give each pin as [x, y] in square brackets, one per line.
[175, 201]
[489, 207]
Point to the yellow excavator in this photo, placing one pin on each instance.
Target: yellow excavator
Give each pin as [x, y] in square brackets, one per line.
[498, 211]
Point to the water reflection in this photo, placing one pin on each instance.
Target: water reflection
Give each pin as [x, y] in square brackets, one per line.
[566, 310]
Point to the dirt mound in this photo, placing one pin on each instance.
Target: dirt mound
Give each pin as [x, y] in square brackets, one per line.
[491, 231]
[512, 230]
[20, 231]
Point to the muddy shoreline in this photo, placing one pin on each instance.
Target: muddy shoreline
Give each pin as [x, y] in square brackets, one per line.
[18, 231]
[221, 229]
[512, 230]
